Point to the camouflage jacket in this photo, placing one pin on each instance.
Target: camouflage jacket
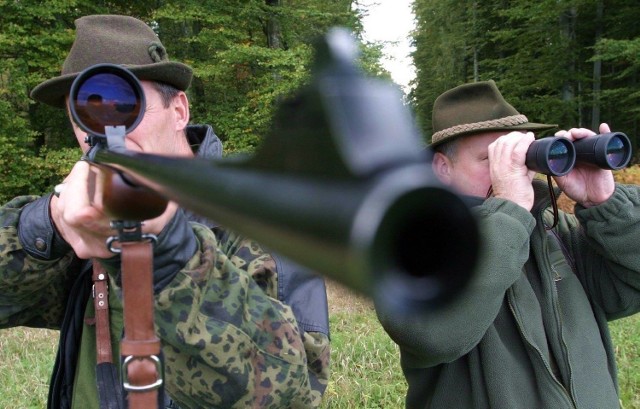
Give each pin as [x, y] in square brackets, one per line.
[232, 335]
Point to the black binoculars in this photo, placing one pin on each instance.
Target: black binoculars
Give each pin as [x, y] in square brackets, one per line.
[557, 155]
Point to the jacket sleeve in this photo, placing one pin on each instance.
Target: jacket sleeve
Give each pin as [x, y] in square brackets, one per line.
[605, 247]
[226, 341]
[433, 337]
[36, 268]
[305, 292]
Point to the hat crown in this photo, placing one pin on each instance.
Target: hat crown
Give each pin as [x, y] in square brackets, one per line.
[474, 108]
[470, 103]
[113, 39]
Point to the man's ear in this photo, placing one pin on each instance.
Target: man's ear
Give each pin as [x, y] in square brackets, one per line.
[181, 110]
[442, 165]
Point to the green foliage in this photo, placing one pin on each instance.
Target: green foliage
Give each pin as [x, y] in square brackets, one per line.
[246, 55]
[23, 174]
[24, 169]
[573, 63]
[441, 55]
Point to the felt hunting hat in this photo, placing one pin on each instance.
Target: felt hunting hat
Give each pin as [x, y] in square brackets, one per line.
[114, 39]
[475, 108]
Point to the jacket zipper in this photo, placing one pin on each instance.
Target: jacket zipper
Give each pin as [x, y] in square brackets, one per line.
[556, 305]
[540, 355]
[557, 278]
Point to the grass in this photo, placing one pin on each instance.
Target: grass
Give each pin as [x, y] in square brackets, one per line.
[26, 360]
[626, 338]
[365, 362]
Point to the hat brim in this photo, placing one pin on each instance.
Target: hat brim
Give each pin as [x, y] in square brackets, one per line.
[53, 91]
[527, 126]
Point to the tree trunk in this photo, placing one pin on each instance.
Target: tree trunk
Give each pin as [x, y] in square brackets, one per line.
[597, 71]
[273, 29]
[568, 32]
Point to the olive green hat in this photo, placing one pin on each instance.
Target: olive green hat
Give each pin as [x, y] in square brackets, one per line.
[114, 39]
[474, 108]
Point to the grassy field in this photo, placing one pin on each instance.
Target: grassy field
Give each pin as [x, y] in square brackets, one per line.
[365, 362]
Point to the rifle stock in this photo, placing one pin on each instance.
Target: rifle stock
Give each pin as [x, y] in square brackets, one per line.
[340, 185]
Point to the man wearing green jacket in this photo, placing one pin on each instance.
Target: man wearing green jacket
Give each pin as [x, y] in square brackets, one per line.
[531, 330]
[238, 326]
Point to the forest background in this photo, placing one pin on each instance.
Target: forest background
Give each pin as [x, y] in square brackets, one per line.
[570, 62]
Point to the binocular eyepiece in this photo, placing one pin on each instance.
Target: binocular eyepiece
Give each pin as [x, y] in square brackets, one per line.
[556, 156]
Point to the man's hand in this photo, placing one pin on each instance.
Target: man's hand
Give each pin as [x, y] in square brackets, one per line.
[78, 214]
[510, 177]
[586, 183]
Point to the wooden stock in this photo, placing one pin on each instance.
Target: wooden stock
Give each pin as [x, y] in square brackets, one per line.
[121, 198]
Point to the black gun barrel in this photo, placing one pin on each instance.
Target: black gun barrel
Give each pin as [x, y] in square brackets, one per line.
[397, 237]
[340, 185]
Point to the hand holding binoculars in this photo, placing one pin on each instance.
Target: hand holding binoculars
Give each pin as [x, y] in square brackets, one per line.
[556, 156]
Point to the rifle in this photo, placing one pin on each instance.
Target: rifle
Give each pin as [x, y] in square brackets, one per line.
[340, 184]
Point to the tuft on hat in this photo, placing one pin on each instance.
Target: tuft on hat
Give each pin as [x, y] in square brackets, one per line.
[114, 39]
[474, 108]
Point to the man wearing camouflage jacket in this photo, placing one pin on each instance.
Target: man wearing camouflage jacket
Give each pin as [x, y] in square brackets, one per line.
[240, 327]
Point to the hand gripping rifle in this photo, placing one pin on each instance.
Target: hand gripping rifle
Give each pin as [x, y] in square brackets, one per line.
[340, 184]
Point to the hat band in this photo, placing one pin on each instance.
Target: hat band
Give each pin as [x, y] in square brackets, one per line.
[464, 128]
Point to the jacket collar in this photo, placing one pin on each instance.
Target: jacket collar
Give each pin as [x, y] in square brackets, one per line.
[204, 142]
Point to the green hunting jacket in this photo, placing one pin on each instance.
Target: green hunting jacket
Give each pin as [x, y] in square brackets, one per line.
[531, 329]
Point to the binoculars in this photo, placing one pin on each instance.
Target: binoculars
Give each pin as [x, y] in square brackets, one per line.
[556, 156]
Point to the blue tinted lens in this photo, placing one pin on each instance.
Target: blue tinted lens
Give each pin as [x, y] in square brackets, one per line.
[558, 157]
[616, 152]
[106, 99]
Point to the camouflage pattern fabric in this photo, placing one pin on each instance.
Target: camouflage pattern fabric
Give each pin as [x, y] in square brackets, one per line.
[32, 292]
[227, 341]
[245, 348]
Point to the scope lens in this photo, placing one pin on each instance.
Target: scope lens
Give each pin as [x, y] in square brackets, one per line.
[107, 99]
[616, 152]
[559, 157]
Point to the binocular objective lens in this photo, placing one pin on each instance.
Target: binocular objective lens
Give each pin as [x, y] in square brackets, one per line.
[558, 158]
[616, 152]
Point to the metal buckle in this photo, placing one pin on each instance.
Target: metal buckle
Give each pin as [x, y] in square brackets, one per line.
[144, 388]
[127, 231]
[117, 250]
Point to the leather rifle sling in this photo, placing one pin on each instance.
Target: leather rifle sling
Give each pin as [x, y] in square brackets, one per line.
[107, 380]
[140, 347]
[101, 304]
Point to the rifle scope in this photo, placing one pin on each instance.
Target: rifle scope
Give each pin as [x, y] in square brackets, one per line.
[556, 156]
[107, 102]
[106, 95]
